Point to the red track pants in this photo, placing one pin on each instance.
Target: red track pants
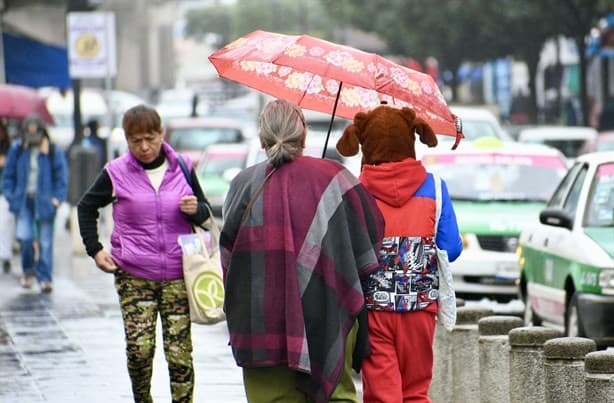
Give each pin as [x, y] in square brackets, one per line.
[400, 367]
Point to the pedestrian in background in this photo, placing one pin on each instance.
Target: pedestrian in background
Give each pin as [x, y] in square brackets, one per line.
[92, 139]
[298, 234]
[153, 204]
[6, 218]
[34, 182]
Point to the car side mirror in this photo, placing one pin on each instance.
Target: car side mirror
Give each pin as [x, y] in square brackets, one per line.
[556, 217]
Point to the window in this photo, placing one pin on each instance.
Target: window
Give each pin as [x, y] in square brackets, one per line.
[600, 207]
[571, 203]
[557, 198]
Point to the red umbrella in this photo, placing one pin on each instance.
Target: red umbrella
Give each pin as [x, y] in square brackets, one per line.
[17, 101]
[331, 78]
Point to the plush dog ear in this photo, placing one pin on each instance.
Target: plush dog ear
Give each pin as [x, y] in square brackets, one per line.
[409, 115]
[347, 145]
[427, 135]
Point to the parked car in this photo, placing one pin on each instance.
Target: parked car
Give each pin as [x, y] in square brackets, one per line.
[479, 122]
[313, 148]
[317, 130]
[605, 141]
[571, 140]
[497, 188]
[567, 258]
[192, 135]
[61, 106]
[218, 165]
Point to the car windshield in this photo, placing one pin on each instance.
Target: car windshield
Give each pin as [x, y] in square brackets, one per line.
[605, 145]
[571, 148]
[197, 138]
[472, 129]
[216, 165]
[497, 176]
[600, 208]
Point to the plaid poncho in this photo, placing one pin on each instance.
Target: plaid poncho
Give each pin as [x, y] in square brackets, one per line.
[292, 269]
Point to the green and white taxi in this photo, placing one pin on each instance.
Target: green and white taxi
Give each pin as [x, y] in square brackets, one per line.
[497, 188]
[567, 259]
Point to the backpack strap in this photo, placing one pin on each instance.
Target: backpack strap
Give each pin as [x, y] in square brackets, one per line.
[438, 201]
[184, 169]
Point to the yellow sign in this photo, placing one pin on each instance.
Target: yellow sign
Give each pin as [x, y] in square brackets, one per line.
[91, 44]
[87, 46]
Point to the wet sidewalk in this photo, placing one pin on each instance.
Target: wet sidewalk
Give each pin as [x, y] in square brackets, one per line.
[68, 346]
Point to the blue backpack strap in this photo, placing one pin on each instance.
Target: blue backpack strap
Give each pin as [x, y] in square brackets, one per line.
[184, 169]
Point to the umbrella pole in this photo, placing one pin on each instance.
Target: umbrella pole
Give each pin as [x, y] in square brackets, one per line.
[332, 118]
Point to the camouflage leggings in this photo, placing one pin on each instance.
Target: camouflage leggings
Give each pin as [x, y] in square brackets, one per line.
[140, 301]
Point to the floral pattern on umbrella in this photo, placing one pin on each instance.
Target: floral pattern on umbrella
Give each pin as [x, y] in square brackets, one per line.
[309, 72]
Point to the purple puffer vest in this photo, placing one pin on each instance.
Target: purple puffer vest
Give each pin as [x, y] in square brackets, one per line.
[146, 223]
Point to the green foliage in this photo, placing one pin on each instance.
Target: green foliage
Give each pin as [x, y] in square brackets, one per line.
[455, 31]
[467, 30]
[214, 19]
[284, 16]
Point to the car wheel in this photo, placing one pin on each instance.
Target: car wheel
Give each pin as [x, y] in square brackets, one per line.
[529, 316]
[573, 326]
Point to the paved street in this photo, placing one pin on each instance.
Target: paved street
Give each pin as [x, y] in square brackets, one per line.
[68, 346]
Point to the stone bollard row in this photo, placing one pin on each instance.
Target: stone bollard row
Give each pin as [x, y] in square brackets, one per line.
[564, 368]
[465, 355]
[441, 390]
[526, 363]
[599, 376]
[494, 357]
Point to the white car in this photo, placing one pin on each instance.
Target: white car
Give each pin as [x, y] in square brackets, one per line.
[567, 257]
[61, 106]
[497, 188]
[479, 122]
[571, 140]
[317, 130]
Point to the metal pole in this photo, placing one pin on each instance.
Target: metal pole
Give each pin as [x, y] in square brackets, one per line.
[78, 125]
[332, 118]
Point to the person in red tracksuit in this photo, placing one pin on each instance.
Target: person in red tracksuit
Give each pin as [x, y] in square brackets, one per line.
[401, 298]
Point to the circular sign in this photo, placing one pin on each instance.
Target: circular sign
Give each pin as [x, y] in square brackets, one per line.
[208, 290]
[87, 46]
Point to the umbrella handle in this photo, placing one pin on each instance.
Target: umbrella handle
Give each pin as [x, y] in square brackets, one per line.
[459, 131]
[332, 118]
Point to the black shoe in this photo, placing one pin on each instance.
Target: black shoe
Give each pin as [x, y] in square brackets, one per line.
[6, 266]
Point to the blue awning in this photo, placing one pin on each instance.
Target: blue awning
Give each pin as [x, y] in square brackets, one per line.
[34, 64]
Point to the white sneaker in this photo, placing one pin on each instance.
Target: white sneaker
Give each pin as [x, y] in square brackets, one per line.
[46, 286]
[26, 280]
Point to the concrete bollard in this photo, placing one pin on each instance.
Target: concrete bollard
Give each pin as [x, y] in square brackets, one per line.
[564, 368]
[599, 378]
[440, 390]
[494, 357]
[465, 355]
[526, 363]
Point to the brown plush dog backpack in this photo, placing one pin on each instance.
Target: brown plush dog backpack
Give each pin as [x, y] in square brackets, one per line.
[385, 134]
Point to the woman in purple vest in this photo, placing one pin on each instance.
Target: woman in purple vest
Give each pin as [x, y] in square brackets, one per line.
[153, 204]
